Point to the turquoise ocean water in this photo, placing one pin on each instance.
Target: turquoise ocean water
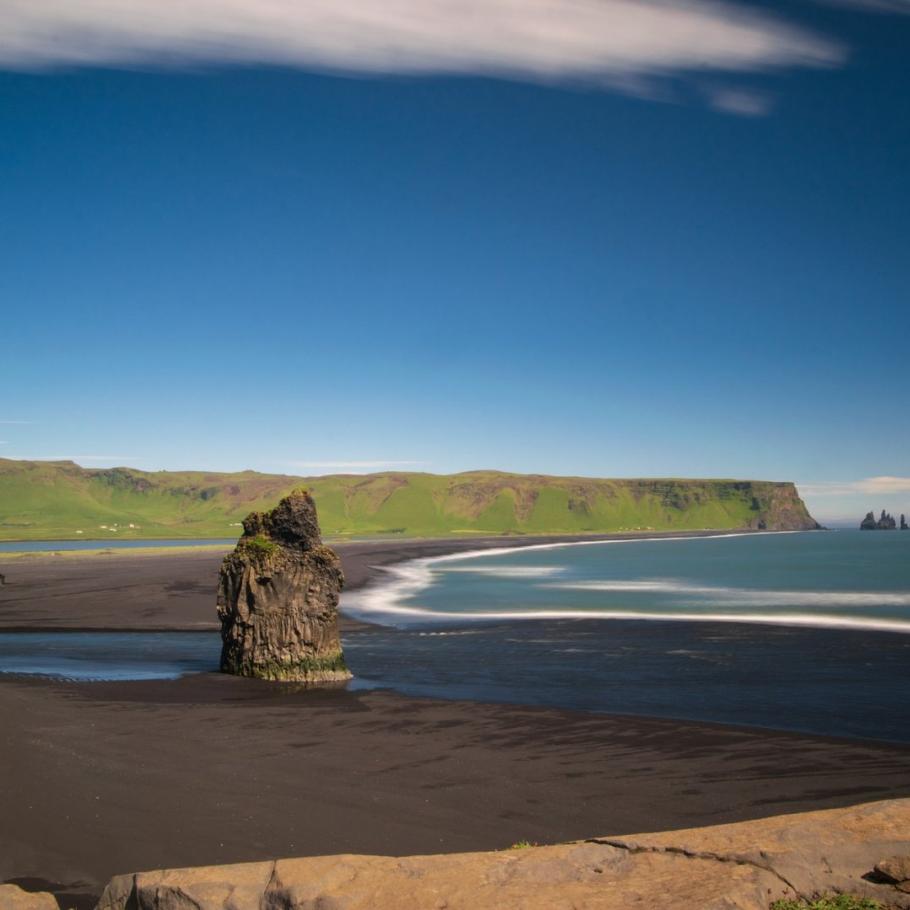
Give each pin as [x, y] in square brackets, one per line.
[849, 579]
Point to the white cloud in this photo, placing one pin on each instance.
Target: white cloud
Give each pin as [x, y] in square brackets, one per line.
[741, 102]
[618, 43]
[352, 466]
[122, 458]
[873, 486]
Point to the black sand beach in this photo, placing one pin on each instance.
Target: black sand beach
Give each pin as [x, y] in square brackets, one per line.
[101, 778]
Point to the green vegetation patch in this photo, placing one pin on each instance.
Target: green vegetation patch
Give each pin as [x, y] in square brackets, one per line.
[830, 902]
[261, 546]
[307, 668]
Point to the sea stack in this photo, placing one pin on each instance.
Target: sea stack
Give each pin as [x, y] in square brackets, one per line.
[885, 523]
[278, 598]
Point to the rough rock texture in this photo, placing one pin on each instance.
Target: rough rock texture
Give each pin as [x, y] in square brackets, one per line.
[12, 897]
[895, 870]
[278, 598]
[742, 866]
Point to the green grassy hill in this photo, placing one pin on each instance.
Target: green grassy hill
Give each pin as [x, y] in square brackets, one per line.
[54, 500]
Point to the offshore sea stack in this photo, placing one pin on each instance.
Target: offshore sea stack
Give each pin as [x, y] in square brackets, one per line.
[278, 598]
[885, 523]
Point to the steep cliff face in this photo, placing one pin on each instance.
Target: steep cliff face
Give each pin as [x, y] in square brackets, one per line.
[779, 508]
[278, 598]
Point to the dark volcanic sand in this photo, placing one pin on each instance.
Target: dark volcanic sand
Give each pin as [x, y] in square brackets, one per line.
[101, 778]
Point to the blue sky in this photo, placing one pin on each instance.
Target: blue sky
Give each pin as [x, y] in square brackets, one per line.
[553, 236]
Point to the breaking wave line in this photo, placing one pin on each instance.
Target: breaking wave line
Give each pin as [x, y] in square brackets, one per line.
[407, 580]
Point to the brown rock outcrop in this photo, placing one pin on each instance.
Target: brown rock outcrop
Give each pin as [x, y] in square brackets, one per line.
[743, 866]
[12, 897]
[278, 598]
[778, 507]
[895, 870]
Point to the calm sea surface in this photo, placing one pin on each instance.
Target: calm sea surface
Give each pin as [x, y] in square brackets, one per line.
[43, 546]
[807, 632]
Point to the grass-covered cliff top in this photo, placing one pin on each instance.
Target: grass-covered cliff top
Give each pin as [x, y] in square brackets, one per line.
[53, 500]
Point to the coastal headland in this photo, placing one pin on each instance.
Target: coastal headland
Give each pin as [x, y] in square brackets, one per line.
[59, 499]
[113, 777]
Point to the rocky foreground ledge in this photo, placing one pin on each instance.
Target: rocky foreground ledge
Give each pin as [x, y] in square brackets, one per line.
[862, 850]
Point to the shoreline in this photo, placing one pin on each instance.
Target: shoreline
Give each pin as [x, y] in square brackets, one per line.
[458, 544]
[120, 590]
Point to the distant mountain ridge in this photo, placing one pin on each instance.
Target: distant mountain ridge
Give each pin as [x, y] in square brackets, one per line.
[51, 500]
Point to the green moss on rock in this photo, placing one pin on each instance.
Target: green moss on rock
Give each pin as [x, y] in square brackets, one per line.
[310, 669]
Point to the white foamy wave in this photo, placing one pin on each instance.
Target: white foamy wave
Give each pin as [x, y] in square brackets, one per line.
[508, 571]
[405, 581]
[743, 596]
[562, 544]
[410, 578]
[814, 620]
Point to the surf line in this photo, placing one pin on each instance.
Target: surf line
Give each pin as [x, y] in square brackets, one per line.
[410, 577]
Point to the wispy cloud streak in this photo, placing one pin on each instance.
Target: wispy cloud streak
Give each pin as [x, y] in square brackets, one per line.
[77, 458]
[355, 466]
[618, 43]
[741, 102]
[874, 486]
